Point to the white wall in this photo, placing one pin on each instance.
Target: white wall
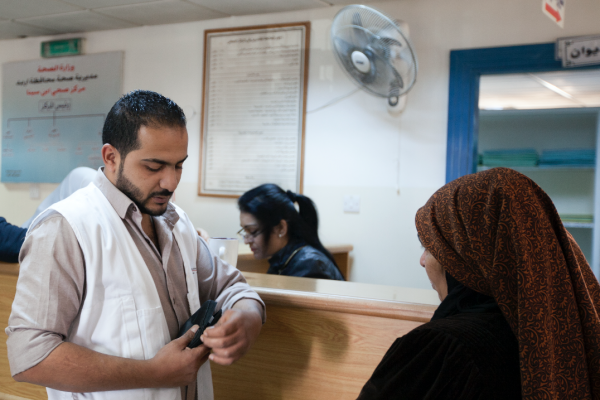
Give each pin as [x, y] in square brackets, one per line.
[352, 147]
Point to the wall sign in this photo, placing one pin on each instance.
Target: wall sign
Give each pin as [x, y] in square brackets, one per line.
[53, 111]
[555, 10]
[578, 51]
[253, 113]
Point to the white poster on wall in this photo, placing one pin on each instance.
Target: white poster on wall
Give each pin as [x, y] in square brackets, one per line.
[555, 10]
[53, 111]
[254, 108]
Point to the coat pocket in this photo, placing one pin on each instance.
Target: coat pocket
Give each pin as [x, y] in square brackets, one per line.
[153, 330]
[109, 327]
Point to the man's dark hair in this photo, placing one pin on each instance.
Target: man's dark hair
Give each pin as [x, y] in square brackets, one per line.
[137, 108]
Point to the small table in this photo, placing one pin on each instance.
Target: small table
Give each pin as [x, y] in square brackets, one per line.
[247, 262]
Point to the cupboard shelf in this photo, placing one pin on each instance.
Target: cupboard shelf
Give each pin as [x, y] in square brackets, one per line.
[574, 189]
[587, 225]
[544, 169]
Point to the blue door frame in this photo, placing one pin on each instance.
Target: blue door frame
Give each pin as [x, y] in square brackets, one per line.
[466, 67]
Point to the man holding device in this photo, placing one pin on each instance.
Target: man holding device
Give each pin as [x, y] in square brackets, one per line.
[109, 275]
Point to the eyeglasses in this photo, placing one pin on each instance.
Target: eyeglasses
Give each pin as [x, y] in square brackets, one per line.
[244, 234]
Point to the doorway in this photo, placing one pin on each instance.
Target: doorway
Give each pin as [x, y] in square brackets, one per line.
[535, 67]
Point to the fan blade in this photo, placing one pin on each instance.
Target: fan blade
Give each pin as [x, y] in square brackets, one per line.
[343, 47]
[381, 45]
[381, 48]
[398, 82]
[359, 32]
[390, 42]
[389, 81]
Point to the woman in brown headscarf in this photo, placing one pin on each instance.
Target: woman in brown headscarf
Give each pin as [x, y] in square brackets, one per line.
[520, 306]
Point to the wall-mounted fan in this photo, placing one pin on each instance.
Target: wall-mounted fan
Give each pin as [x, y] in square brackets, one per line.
[375, 52]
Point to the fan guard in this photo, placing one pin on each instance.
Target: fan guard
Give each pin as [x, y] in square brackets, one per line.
[374, 51]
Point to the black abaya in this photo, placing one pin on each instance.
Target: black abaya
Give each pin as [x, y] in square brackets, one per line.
[466, 352]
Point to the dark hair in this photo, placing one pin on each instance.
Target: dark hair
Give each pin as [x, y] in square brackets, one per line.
[269, 204]
[137, 108]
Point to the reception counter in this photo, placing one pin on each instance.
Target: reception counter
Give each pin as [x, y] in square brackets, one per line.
[322, 339]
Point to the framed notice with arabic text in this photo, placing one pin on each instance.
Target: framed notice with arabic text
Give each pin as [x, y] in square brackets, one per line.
[254, 105]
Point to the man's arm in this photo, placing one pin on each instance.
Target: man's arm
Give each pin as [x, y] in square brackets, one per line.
[74, 368]
[50, 291]
[235, 332]
[219, 281]
[244, 311]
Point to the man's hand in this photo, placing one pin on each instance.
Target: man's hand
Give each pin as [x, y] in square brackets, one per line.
[235, 332]
[176, 364]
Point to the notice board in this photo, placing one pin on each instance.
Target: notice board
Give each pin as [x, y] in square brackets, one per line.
[53, 111]
[254, 106]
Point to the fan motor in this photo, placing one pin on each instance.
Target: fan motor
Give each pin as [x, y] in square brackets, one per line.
[361, 61]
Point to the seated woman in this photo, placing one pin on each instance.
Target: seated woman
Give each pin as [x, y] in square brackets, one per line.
[274, 229]
[520, 304]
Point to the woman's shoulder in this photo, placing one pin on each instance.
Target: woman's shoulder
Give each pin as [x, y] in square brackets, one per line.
[485, 333]
[452, 358]
[314, 264]
[308, 251]
[485, 338]
[459, 321]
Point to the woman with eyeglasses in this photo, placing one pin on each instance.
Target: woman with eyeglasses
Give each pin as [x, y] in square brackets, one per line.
[287, 236]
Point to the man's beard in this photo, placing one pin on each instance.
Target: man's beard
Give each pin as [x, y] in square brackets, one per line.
[135, 194]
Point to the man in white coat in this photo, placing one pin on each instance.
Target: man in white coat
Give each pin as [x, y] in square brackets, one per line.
[110, 274]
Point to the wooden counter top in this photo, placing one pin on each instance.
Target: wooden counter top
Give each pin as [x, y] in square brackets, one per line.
[347, 297]
[321, 294]
[9, 268]
[337, 296]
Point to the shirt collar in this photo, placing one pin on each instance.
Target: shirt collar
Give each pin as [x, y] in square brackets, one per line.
[123, 204]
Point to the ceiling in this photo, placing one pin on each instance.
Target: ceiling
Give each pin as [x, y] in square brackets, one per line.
[559, 89]
[25, 18]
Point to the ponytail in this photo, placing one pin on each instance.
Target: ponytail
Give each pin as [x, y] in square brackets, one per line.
[269, 204]
[307, 211]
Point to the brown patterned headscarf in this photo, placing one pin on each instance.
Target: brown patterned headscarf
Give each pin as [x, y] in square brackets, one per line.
[498, 233]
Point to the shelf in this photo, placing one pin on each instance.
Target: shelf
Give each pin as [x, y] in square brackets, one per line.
[536, 169]
[540, 111]
[552, 134]
[588, 225]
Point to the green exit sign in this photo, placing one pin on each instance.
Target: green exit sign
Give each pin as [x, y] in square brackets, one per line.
[60, 48]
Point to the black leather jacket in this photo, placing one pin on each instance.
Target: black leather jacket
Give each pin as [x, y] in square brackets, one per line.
[300, 259]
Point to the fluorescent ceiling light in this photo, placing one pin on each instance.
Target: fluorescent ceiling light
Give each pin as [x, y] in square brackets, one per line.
[556, 89]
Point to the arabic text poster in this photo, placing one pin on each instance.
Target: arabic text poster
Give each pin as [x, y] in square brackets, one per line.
[254, 107]
[53, 111]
